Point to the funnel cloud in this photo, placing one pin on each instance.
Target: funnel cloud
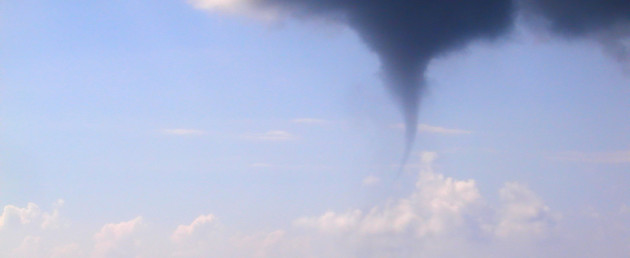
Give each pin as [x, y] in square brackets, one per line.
[407, 34]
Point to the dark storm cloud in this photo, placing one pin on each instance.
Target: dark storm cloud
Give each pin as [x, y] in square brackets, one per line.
[606, 21]
[574, 18]
[407, 34]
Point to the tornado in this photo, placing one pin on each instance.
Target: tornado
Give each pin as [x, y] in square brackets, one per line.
[407, 34]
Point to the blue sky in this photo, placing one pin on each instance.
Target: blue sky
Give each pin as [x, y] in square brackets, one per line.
[125, 121]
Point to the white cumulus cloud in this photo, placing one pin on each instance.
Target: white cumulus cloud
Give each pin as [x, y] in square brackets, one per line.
[522, 213]
[437, 205]
[440, 217]
[116, 239]
[13, 215]
[184, 231]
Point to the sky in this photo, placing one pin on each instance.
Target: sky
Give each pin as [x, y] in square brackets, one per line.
[211, 129]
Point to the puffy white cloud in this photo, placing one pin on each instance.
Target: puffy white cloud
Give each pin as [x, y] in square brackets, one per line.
[184, 231]
[437, 205]
[116, 239]
[522, 213]
[13, 215]
[440, 217]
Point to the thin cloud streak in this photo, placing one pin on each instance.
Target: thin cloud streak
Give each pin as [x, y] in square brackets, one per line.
[184, 132]
[425, 128]
[271, 136]
[310, 121]
[615, 157]
[260, 165]
[371, 180]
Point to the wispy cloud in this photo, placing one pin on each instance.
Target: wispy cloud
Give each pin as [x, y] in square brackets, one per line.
[276, 135]
[242, 7]
[310, 121]
[371, 180]
[614, 157]
[260, 165]
[183, 132]
[425, 128]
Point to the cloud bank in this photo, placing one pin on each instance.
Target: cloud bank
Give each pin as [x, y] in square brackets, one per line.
[441, 217]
